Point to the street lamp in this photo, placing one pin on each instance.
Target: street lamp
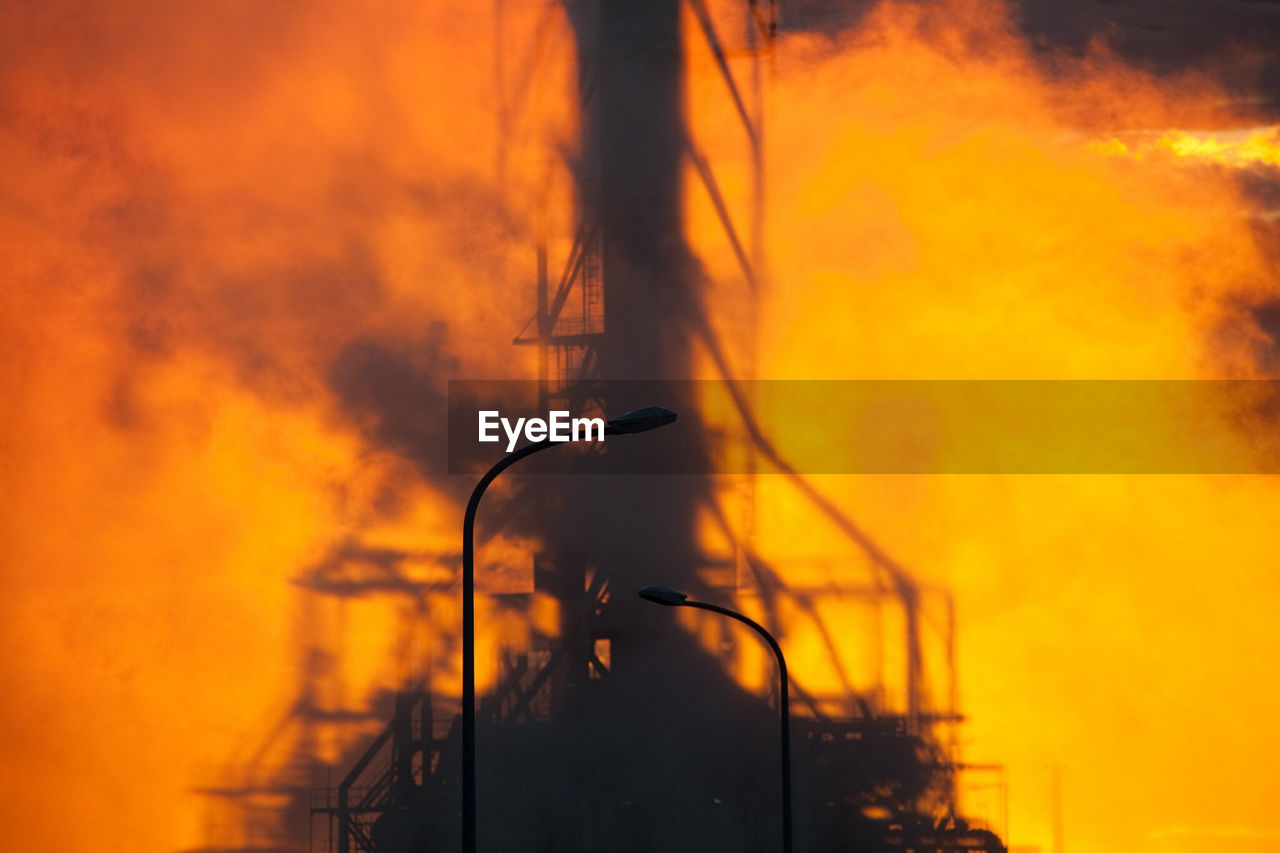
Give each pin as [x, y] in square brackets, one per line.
[639, 420]
[672, 598]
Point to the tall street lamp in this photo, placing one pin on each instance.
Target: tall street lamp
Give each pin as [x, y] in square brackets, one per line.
[672, 598]
[639, 420]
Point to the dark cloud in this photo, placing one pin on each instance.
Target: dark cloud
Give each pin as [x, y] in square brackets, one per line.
[1235, 40]
[398, 395]
[829, 16]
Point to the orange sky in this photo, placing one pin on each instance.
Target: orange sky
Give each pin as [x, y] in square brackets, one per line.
[204, 210]
[940, 206]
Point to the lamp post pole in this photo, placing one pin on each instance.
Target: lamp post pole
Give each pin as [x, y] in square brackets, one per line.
[469, 641]
[639, 420]
[672, 598]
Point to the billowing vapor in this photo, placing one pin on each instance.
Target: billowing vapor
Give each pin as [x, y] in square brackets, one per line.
[222, 224]
[946, 202]
[247, 245]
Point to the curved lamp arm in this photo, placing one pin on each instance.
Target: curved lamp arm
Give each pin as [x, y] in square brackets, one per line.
[672, 598]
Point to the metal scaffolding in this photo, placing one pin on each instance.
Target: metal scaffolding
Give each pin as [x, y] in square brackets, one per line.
[626, 300]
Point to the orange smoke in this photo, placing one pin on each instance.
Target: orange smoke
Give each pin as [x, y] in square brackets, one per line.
[204, 211]
[944, 203]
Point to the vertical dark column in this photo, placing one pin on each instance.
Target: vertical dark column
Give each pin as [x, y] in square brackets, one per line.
[403, 747]
[637, 125]
[651, 756]
[664, 739]
[563, 575]
[633, 144]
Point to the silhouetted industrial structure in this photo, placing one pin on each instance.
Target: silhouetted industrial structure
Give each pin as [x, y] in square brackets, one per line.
[618, 730]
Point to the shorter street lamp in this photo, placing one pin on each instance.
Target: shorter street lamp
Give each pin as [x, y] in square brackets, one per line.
[672, 598]
[640, 420]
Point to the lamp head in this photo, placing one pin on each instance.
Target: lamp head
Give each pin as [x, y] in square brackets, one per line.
[663, 595]
[640, 420]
